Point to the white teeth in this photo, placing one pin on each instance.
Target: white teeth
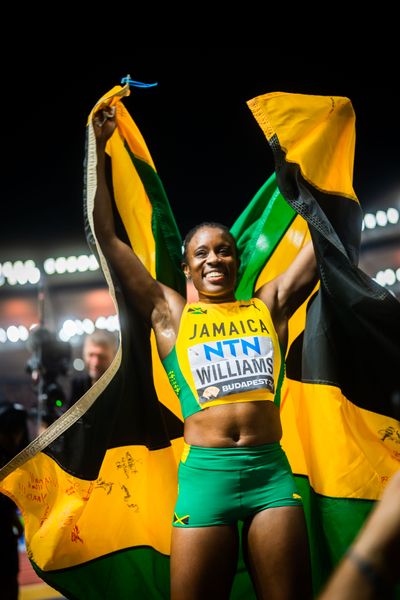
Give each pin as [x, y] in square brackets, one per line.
[214, 274]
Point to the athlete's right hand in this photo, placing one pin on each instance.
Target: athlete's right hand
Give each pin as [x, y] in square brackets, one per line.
[104, 123]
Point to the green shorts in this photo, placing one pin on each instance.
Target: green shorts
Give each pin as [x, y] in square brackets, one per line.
[220, 486]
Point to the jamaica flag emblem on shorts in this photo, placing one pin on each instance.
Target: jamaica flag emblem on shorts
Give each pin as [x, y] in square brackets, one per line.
[181, 520]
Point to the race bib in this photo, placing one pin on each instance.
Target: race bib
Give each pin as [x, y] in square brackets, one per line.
[232, 366]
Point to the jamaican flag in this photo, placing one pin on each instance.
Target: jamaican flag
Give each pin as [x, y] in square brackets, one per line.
[97, 488]
[340, 395]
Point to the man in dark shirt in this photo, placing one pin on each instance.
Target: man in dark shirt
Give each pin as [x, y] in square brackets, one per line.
[99, 350]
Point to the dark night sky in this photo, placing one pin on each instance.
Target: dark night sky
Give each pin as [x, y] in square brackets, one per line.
[207, 147]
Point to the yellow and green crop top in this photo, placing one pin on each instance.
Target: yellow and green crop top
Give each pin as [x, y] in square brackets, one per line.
[225, 353]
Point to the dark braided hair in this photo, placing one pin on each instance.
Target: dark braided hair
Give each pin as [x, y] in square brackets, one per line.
[195, 229]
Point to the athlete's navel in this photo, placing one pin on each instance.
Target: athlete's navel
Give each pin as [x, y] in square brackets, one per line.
[235, 436]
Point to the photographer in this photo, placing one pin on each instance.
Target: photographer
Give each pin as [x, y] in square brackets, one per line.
[50, 358]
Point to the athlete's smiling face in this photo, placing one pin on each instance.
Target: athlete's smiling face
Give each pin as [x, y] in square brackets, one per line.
[212, 264]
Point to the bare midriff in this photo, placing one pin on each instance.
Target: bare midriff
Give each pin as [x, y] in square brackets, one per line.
[230, 425]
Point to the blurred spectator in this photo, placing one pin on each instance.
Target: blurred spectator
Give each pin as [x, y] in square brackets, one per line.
[99, 349]
[370, 568]
[13, 438]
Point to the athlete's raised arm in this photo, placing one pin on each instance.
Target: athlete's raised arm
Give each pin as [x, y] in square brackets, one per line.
[160, 306]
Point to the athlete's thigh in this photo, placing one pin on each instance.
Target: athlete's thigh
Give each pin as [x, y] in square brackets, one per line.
[277, 553]
[203, 562]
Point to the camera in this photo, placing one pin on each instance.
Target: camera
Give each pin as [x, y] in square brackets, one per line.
[49, 359]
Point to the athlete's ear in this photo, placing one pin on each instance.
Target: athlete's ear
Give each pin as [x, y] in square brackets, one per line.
[186, 270]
